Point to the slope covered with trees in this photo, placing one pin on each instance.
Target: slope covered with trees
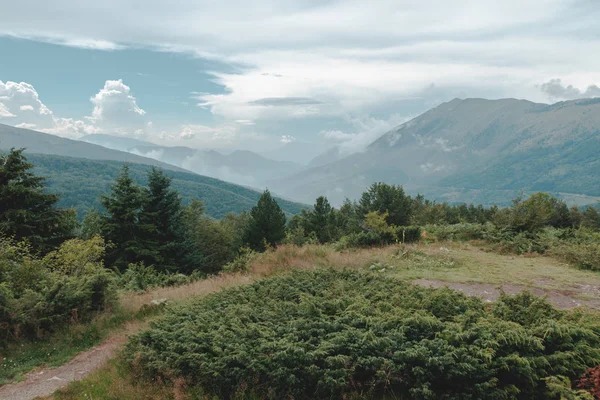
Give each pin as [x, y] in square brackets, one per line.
[80, 183]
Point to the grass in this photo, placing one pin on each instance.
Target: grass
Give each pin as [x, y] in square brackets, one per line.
[113, 381]
[446, 261]
[466, 262]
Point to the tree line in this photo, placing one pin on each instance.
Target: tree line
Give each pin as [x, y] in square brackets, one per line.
[151, 226]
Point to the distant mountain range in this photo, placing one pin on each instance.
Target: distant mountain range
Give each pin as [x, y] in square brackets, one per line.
[472, 150]
[80, 172]
[241, 167]
[43, 143]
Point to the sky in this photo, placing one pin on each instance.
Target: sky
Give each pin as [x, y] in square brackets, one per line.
[259, 75]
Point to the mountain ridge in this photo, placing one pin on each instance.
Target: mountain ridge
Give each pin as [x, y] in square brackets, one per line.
[463, 144]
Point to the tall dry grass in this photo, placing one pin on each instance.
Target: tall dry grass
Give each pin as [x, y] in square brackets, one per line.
[279, 260]
[135, 301]
[290, 257]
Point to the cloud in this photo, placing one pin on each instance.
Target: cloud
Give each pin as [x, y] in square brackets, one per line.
[555, 89]
[284, 101]
[114, 104]
[25, 125]
[366, 131]
[285, 139]
[113, 108]
[72, 128]
[5, 112]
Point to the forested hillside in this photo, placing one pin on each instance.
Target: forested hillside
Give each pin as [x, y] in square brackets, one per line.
[80, 183]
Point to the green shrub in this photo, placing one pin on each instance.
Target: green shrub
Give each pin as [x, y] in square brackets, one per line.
[364, 239]
[462, 232]
[39, 295]
[327, 334]
[242, 262]
[408, 234]
[139, 278]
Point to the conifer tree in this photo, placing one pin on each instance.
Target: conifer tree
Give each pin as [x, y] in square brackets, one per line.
[26, 210]
[321, 220]
[120, 224]
[161, 223]
[267, 225]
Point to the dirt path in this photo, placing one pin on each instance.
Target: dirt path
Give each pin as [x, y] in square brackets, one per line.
[562, 299]
[44, 382]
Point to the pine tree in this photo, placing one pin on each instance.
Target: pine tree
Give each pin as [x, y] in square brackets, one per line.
[267, 225]
[26, 210]
[321, 220]
[120, 224]
[161, 223]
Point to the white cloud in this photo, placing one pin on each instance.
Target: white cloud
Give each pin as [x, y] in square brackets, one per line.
[366, 130]
[25, 125]
[114, 104]
[113, 110]
[285, 139]
[5, 112]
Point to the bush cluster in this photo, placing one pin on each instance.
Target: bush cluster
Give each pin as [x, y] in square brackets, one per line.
[327, 334]
[40, 294]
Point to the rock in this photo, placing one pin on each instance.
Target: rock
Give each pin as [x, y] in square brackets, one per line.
[157, 302]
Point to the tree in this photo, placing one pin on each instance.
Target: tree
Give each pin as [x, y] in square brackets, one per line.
[209, 244]
[91, 224]
[161, 227]
[348, 218]
[383, 198]
[591, 218]
[267, 225]
[120, 224]
[26, 210]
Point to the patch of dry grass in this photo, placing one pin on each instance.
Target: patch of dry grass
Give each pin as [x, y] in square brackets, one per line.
[134, 301]
[290, 257]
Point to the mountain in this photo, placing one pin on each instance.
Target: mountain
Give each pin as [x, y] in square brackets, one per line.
[328, 156]
[241, 166]
[43, 143]
[472, 150]
[114, 142]
[81, 182]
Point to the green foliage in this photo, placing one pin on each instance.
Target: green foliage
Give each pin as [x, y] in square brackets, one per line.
[139, 278]
[161, 226]
[390, 199]
[120, 223]
[408, 234]
[212, 243]
[38, 295]
[91, 224]
[591, 219]
[329, 334]
[242, 262]
[26, 210]
[267, 226]
[81, 182]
